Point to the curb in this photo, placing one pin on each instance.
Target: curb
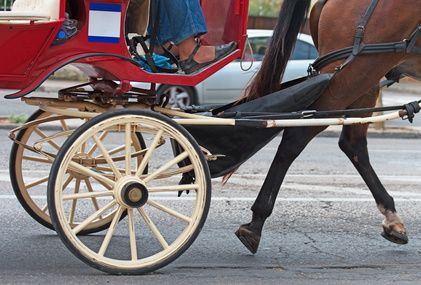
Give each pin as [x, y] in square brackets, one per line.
[9, 127]
[409, 88]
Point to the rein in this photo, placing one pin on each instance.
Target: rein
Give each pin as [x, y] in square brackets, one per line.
[407, 112]
[407, 46]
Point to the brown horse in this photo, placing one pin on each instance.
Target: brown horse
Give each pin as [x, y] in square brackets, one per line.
[354, 86]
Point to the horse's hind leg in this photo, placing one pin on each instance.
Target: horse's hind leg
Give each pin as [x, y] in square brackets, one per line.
[353, 142]
[293, 143]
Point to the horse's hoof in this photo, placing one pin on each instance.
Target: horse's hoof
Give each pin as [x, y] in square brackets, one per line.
[250, 239]
[395, 236]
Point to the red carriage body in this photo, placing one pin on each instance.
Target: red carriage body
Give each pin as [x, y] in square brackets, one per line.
[28, 56]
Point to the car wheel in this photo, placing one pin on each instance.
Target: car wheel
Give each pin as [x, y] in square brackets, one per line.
[178, 96]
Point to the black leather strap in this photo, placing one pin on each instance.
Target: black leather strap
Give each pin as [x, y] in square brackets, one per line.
[149, 56]
[411, 109]
[404, 47]
[153, 37]
[155, 28]
[412, 42]
[349, 53]
[359, 34]
[395, 47]
[195, 50]
[148, 52]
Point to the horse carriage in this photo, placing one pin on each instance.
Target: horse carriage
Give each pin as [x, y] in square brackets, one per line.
[129, 187]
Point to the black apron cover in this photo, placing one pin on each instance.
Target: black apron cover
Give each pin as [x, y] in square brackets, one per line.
[236, 144]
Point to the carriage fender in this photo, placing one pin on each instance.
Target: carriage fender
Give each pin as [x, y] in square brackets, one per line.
[60, 64]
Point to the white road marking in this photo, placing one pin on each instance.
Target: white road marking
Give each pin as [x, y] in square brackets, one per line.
[401, 178]
[410, 151]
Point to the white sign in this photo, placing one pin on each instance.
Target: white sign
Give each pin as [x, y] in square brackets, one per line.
[104, 23]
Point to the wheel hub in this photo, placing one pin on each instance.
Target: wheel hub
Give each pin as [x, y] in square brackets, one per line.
[134, 195]
[131, 193]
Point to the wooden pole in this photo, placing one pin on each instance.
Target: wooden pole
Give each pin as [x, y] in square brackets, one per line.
[379, 103]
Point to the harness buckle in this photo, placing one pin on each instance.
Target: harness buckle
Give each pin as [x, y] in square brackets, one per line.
[311, 71]
[308, 113]
[340, 67]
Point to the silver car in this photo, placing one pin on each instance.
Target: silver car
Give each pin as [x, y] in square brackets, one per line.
[229, 83]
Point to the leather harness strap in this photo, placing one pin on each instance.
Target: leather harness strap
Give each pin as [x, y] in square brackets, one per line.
[359, 34]
[407, 46]
[412, 48]
[149, 50]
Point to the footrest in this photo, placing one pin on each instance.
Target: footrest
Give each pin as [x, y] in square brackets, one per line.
[24, 16]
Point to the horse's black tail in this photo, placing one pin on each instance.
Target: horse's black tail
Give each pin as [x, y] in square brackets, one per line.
[291, 18]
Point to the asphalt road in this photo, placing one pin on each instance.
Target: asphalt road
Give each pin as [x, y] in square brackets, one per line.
[325, 228]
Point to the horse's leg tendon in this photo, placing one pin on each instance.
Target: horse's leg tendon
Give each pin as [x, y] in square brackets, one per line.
[293, 143]
[353, 142]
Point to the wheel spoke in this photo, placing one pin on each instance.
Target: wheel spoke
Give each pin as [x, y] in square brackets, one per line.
[166, 166]
[149, 152]
[94, 216]
[169, 211]
[37, 182]
[108, 169]
[173, 188]
[86, 171]
[136, 153]
[132, 234]
[74, 203]
[89, 195]
[44, 136]
[128, 140]
[83, 147]
[44, 208]
[171, 173]
[182, 96]
[110, 232]
[67, 182]
[90, 189]
[153, 228]
[36, 159]
[111, 176]
[64, 125]
[94, 147]
[107, 157]
[69, 179]
[114, 151]
[173, 93]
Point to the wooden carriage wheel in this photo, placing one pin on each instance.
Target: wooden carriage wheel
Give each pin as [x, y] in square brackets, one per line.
[29, 170]
[163, 216]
